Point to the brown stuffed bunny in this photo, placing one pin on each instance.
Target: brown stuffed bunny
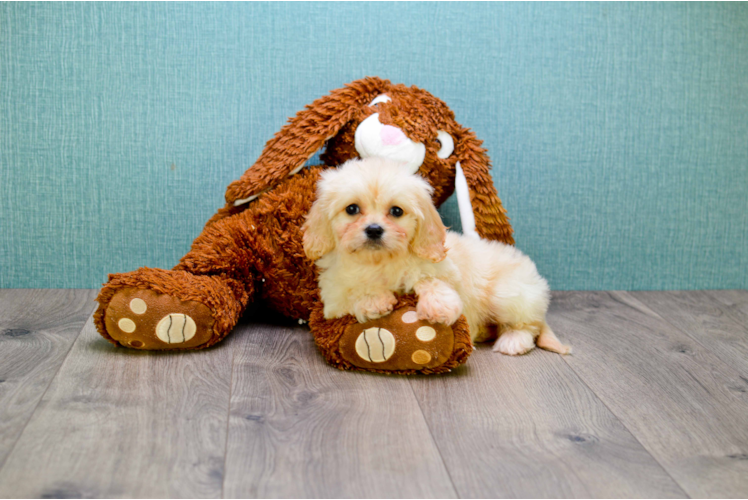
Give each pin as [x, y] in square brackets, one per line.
[252, 248]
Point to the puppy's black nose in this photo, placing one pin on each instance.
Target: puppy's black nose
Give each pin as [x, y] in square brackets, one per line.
[374, 231]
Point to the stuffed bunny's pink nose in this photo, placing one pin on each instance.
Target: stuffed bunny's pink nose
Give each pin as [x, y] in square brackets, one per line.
[391, 136]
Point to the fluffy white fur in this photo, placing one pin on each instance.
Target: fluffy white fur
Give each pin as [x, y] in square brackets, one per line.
[495, 286]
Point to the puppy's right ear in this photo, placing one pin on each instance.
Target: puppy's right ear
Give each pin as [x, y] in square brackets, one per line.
[318, 236]
[287, 152]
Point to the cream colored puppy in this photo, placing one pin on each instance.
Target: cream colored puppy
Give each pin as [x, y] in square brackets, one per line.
[374, 232]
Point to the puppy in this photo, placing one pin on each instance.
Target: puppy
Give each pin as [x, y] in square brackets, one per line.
[374, 232]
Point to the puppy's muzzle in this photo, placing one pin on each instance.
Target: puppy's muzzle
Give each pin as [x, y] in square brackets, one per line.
[374, 232]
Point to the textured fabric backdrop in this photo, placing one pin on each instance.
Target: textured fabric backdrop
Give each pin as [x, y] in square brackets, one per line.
[618, 132]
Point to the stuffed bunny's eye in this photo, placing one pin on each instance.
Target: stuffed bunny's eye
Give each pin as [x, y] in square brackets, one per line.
[380, 98]
[352, 209]
[447, 144]
[396, 212]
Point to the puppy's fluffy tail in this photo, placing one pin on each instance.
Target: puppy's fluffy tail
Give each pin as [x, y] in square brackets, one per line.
[547, 340]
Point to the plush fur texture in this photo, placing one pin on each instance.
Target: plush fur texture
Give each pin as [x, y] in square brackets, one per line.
[376, 233]
[251, 249]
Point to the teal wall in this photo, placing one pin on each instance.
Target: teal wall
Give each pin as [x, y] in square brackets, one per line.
[619, 132]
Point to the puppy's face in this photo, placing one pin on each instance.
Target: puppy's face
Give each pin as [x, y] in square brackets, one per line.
[374, 222]
[374, 210]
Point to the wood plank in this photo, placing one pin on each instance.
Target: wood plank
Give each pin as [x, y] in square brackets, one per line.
[704, 318]
[37, 328]
[300, 428]
[528, 427]
[684, 404]
[735, 304]
[124, 423]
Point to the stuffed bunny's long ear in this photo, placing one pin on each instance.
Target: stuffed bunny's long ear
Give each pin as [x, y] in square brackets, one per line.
[287, 152]
[481, 211]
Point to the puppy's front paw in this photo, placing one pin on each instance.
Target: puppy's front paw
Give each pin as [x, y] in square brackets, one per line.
[514, 342]
[371, 308]
[443, 306]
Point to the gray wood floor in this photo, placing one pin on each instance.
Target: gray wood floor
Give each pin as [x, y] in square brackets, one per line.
[652, 403]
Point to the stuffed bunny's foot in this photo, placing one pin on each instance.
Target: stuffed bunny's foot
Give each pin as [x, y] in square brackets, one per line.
[155, 309]
[144, 319]
[399, 342]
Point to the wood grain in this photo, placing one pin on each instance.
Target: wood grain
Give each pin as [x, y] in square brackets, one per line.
[653, 402]
[684, 404]
[300, 428]
[37, 328]
[735, 304]
[704, 318]
[528, 427]
[123, 423]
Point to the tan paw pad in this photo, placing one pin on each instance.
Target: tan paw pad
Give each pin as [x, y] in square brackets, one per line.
[421, 357]
[176, 328]
[138, 306]
[126, 325]
[375, 345]
[426, 334]
[410, 317]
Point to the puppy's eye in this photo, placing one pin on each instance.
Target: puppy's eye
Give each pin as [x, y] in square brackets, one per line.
[396, 211]
[352, 209]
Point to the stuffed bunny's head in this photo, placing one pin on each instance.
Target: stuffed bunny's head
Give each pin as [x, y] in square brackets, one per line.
[372, 117]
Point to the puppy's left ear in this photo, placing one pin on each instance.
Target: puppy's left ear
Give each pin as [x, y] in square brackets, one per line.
[431, 234]
[318, 236]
